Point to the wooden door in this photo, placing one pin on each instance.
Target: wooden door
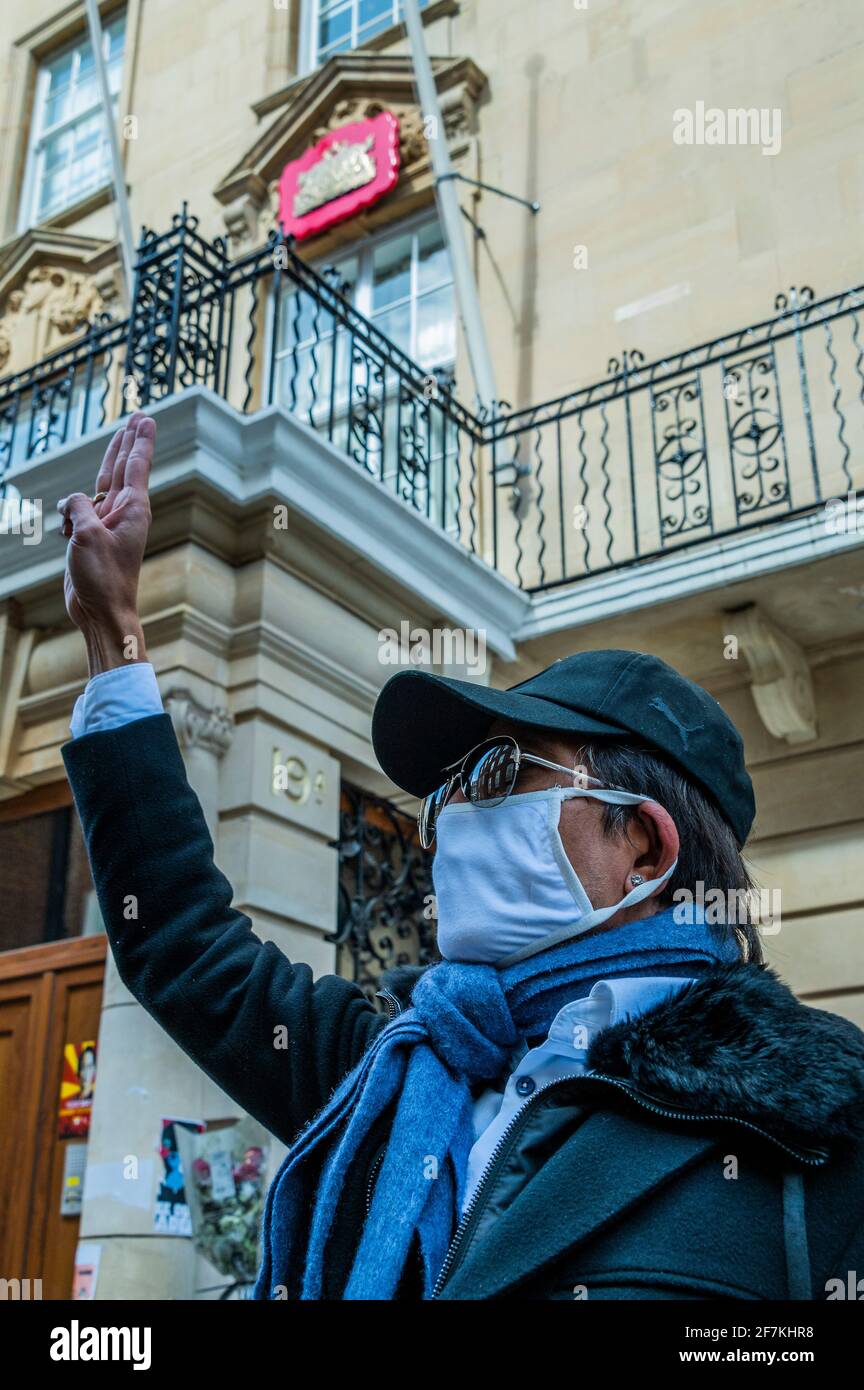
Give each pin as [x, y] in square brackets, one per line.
[49, 996]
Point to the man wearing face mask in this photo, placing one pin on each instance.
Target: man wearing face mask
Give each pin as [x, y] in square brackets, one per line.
[597, 1093]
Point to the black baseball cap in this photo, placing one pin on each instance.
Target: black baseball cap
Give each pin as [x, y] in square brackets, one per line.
[424, 722]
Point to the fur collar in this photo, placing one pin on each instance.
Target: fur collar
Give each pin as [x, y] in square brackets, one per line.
[736, 1042]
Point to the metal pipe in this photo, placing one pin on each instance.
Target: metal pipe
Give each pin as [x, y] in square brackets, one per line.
[468, 302]
[121, 202]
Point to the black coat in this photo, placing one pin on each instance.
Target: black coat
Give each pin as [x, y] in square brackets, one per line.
[716, 1150]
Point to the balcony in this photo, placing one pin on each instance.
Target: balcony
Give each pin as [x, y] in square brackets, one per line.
[732, 443]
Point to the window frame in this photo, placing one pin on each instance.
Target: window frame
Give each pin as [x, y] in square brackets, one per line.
[363, 251]
[38, 136]
[309, 28]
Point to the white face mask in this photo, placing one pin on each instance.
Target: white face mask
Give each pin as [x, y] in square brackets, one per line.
[504, 886]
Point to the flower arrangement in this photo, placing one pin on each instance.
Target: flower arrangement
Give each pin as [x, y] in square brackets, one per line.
[225, 1192]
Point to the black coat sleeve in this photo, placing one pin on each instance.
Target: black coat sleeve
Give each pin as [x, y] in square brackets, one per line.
[274, 1039]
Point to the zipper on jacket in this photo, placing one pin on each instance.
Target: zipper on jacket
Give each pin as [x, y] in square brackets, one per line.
[520, 1118]
[391, 1003]
[379, 1159]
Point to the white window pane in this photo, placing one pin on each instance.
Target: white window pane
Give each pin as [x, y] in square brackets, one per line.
[396, 323]
[436, 329]
[85, 96]
[433, 262]
[335, 29]
[374, 9]
[55, 173]
[341, 24]
[86, 65]
[89, 141]
[52, 192]
[58, 150]
[58, 95]
[391, 270]
[84, 176]
[115, 35]
[296, 320]
[115, 76]
[372, 17]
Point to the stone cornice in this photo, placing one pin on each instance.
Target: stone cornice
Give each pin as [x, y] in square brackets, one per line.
[686, 572]
[61, 247]
[273, 457]
[264, 640]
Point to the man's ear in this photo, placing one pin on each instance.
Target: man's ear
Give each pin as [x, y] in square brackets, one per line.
[660, 838]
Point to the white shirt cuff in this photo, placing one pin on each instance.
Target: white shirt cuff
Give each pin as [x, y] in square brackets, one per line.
[116, 697]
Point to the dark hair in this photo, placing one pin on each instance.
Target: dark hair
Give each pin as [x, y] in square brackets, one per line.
[709, 852]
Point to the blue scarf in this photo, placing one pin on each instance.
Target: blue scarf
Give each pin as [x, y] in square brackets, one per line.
[416, 1079]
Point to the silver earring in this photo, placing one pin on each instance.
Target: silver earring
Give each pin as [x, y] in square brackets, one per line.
[636, 879]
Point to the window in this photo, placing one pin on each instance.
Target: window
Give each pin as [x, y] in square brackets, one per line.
[337, 25]
[44, 878]
[69, 155]
[403, 284]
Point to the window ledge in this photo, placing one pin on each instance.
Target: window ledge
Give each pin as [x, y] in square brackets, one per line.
[91, 202]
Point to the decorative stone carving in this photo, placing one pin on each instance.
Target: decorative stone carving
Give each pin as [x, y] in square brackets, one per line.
[413, 144]
[243, 223]
[52, 306]
[782, 684]
[348, 87]
[197, 727]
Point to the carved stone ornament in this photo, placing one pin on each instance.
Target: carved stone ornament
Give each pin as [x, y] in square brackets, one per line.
[349, 88]
[341, 169]
[52, 306]
[782, 685]
[197, 727]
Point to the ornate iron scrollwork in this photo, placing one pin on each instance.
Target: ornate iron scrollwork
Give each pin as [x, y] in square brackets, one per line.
[683, 486]
[756, 441]
[386, 905]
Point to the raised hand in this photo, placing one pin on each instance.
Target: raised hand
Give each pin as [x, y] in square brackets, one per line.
[106, 548]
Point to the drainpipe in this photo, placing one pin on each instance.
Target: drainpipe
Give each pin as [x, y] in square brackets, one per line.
[121, 203]
[468, 301]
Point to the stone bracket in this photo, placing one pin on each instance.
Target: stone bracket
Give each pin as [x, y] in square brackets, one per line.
[782, 684]
[196, 727]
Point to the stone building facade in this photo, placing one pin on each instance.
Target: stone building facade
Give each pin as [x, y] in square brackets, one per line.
[677, 508]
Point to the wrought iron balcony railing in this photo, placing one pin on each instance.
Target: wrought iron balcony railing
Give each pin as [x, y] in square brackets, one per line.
[385, 914]
[751, 428]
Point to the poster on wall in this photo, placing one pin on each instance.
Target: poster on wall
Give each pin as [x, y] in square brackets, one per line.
[76, 1090]
[86, 1272]
[171, 1215]
[74, 1166]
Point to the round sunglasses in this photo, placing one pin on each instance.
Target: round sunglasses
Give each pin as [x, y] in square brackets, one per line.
[486, 776]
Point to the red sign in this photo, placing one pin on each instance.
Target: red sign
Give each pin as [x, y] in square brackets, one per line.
[349, 169]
